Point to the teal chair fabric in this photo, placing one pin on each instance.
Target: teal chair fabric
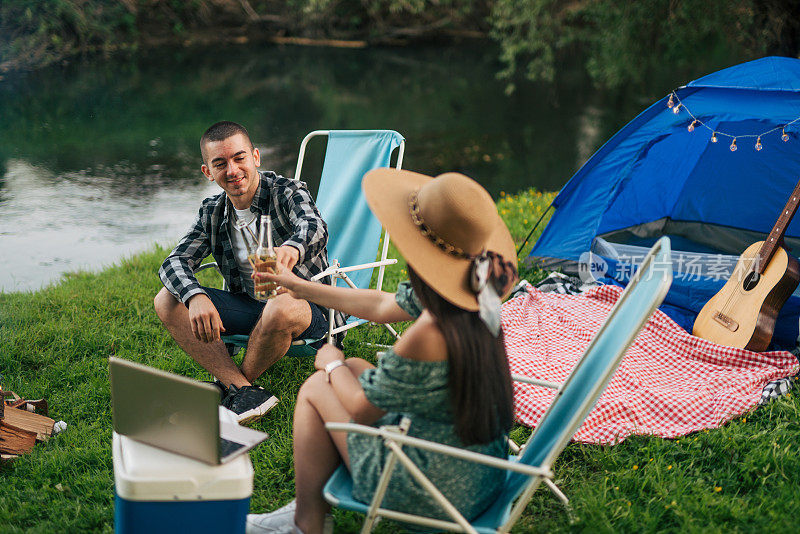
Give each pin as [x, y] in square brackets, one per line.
[299, 349]
[579, 393]
[354, 233]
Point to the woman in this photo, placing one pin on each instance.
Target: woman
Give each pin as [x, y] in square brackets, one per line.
[448, 372]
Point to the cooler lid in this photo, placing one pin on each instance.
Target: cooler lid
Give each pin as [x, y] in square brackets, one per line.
[145, 473]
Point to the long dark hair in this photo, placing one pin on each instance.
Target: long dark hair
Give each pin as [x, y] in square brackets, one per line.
[481, 395]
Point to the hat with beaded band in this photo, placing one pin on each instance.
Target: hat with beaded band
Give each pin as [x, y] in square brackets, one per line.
[440, 226]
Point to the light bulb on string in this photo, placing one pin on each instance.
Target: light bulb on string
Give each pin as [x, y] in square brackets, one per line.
[674, 103]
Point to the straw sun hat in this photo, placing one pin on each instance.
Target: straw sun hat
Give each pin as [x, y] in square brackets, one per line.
[439, 225]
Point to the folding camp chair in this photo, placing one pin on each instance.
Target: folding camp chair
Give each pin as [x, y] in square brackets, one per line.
[531, 465]
[354, 233]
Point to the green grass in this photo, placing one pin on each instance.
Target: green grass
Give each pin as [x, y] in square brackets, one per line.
[55, 343]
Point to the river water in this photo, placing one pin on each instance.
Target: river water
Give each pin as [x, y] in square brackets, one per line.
[99, 158]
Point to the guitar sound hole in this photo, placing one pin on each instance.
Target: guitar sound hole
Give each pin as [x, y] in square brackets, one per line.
[751, 281]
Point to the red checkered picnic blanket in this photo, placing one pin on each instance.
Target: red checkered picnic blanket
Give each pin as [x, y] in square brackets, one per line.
[669, 383]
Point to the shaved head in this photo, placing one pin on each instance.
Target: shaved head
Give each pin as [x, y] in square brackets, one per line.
[220, 131]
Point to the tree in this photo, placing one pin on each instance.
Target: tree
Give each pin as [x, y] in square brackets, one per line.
[625, 42]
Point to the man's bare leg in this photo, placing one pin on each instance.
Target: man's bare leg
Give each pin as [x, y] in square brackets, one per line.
[283, 319]
[212, 356]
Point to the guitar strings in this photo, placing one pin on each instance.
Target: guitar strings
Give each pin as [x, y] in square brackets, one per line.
[725, 309]
[729, 304]
[740, 289]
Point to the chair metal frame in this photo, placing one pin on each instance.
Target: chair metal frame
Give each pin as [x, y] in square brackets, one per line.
[395, 437]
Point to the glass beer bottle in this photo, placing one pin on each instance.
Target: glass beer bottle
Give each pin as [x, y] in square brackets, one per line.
[265, 259]
[248, 237]
[250, 241]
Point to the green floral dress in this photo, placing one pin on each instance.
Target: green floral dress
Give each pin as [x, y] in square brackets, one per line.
[419, 391]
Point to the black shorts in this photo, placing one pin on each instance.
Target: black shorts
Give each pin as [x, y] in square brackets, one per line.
[240, 312]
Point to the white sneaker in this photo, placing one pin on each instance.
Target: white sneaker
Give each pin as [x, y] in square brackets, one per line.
[281, 521]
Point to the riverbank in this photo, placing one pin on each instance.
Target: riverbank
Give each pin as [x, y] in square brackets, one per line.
[55, 343]
[536, 36]
[34, 34]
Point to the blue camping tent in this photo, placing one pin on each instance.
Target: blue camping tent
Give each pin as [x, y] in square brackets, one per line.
[662, 175]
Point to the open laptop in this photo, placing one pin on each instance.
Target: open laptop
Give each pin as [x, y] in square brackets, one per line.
[175, 413]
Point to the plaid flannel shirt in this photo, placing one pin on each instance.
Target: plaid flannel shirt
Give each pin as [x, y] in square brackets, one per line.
[295, 222]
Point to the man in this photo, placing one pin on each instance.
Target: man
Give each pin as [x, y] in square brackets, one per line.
[196, 316]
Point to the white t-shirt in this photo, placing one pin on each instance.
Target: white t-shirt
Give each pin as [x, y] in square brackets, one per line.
[240, 249]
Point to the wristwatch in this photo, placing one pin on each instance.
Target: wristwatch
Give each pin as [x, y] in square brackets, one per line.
[330, 367]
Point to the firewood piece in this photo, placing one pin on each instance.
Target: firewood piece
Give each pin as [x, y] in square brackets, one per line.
[40, 425]
[39, 406]
[15, 440]
[34, 406]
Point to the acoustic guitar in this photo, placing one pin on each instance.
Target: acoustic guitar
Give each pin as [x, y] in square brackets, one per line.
[743, 313]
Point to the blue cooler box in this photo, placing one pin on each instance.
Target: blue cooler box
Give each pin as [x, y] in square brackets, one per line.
[158, 491]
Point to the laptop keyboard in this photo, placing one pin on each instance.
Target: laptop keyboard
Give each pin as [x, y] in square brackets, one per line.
[227, 447]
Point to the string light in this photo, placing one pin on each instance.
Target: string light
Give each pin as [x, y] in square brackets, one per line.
[674, 103]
